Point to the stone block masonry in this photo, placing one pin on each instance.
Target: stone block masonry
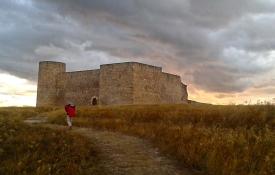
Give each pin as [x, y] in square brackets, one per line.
[112, 84]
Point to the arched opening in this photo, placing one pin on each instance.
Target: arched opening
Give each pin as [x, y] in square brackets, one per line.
[94, 101]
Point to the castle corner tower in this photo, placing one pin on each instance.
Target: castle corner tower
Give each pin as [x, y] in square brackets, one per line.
[47, 82]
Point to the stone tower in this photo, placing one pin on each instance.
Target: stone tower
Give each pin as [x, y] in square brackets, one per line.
[47, 92]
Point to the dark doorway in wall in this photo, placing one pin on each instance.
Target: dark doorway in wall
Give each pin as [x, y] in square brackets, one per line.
[94, 101]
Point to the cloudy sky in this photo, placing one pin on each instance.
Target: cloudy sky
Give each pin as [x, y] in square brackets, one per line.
[224, 50]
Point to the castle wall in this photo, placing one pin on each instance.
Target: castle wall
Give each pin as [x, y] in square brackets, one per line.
[121, 83]
[152, 86]
[81, 86]
[60, 88]
[47, 82]
[116, 84]
[185, 93]
[172, 89]
[146, 84]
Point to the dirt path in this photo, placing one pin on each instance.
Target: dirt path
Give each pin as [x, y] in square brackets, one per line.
[124, 155]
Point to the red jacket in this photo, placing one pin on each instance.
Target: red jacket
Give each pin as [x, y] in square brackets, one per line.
[70, 110]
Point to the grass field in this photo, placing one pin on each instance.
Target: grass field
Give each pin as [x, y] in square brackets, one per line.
[214, 140]
[36, 150]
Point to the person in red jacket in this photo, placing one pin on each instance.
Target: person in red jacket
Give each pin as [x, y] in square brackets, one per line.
[71, 112]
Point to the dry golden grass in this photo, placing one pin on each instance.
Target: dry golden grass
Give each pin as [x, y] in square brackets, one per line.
[215, 140]
[38, 150]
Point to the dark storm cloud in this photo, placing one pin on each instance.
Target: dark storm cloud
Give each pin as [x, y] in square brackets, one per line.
[218, 45]
[23, 28]
[220, 79]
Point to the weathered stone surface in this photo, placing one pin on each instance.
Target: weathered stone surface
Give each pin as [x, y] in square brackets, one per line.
[172, 89]
[116, 84]
[147, 80]
[47, 82]
[120, 83]
[81, 86]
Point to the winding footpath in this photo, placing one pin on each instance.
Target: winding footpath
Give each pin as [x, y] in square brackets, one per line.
[121, 154]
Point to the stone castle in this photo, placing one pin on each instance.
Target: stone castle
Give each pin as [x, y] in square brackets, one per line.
[112, 84]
